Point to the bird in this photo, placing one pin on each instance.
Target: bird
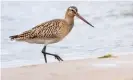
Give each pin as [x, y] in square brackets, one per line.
[51, 31]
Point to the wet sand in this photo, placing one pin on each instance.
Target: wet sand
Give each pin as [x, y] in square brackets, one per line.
[118, 68]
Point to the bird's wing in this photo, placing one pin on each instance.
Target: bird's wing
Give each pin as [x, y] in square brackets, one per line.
[45, 30]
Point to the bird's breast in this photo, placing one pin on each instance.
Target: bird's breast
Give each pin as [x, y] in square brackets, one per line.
[42, 41]
[65, 29]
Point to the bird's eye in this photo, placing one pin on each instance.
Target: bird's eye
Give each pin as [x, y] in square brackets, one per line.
[72, 10]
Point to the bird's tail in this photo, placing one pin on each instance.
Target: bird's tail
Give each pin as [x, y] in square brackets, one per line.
[13, 37]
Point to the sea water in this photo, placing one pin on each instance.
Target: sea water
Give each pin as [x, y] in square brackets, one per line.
[113, 32]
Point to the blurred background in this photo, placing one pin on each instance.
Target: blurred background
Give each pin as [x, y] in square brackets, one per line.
[113, 32]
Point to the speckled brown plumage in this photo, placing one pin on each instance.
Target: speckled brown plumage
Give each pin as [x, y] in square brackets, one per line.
[51, 31]
[54, 29]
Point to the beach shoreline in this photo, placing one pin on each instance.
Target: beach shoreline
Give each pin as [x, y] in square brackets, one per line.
[119, 68]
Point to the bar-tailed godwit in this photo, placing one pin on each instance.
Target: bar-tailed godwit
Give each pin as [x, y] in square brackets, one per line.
[51, 31]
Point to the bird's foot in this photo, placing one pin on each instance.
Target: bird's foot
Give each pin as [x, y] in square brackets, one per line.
[58, 57]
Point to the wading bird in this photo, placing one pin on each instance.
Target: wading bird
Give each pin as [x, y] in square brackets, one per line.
[51, 31]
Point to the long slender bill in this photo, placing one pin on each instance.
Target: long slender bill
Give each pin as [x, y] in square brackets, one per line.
[84, 20]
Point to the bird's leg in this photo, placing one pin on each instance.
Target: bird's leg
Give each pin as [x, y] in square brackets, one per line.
[44, 53]
[55, 55]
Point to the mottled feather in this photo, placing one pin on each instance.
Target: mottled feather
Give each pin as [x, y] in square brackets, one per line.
[54, 29]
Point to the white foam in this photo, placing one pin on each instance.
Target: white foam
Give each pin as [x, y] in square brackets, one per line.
[105, 65]
[112, 63]
[125, 62]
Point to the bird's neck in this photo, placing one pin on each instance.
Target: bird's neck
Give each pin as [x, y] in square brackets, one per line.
[69, 19]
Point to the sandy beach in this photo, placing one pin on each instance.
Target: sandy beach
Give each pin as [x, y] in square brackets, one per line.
[118, 68]
[113, 32]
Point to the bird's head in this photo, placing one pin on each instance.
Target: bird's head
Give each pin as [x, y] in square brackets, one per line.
[73, 11]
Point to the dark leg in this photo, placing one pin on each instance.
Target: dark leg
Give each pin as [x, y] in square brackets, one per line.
[55, 55]
[44, 53]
